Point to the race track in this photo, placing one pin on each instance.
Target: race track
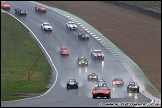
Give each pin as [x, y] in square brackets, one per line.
[67, 67]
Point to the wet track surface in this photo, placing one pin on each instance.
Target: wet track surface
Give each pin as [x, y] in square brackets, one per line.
[67, 67]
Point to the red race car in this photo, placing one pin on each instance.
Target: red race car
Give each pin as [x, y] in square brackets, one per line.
[40, 8]
[117, 82]
[101, 91]
[64, 50]
[4, 5]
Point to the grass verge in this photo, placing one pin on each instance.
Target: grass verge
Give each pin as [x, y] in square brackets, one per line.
[24, 67]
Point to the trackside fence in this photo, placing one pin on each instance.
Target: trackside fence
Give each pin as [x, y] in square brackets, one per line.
[139, 9]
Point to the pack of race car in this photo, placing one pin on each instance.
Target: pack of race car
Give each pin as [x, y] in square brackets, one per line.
[101, 87]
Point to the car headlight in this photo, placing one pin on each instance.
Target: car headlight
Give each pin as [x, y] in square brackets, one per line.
[135, 86]
[79, 62]
[95, 76]
[113, 82]
[86, 63]
[20, 12]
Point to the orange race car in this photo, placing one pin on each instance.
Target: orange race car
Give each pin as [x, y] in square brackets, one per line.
[4, 5]
[101, 92]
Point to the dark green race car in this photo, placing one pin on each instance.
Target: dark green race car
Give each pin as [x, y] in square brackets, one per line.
[82, 61]
[83, 35]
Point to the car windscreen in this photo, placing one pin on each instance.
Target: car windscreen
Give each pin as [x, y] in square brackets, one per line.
[92, 73]
[132, 84]
[102, 88]
[72, 80]
[97, 51]
[71, 23]
[46, 24]
[64, 48]
[118, 79]
[82, 58]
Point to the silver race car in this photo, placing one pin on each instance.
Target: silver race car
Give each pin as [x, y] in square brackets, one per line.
[72, 84]
[92, 76]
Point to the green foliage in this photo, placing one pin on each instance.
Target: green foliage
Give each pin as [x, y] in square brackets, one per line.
[8, 98]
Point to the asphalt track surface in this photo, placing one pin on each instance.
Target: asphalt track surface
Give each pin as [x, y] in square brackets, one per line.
[67, 67]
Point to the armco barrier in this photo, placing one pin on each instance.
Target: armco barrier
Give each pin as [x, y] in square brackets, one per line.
[133, 7]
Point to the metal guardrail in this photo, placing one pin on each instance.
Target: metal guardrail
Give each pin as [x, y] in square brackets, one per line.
[139, 9]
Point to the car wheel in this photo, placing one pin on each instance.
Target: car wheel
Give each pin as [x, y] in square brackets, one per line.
[109, 96]
[138, 90]
[94, 97]
[97, 78]
[127, 89]
[91, 54]
[88, 79]
[67, 86]
[76, 87]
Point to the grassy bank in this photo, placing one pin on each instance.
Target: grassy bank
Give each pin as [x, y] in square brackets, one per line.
[24, 68]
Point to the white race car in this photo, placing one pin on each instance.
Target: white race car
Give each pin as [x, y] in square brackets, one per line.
[71, 25]
[46, 26]
[97, 54]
